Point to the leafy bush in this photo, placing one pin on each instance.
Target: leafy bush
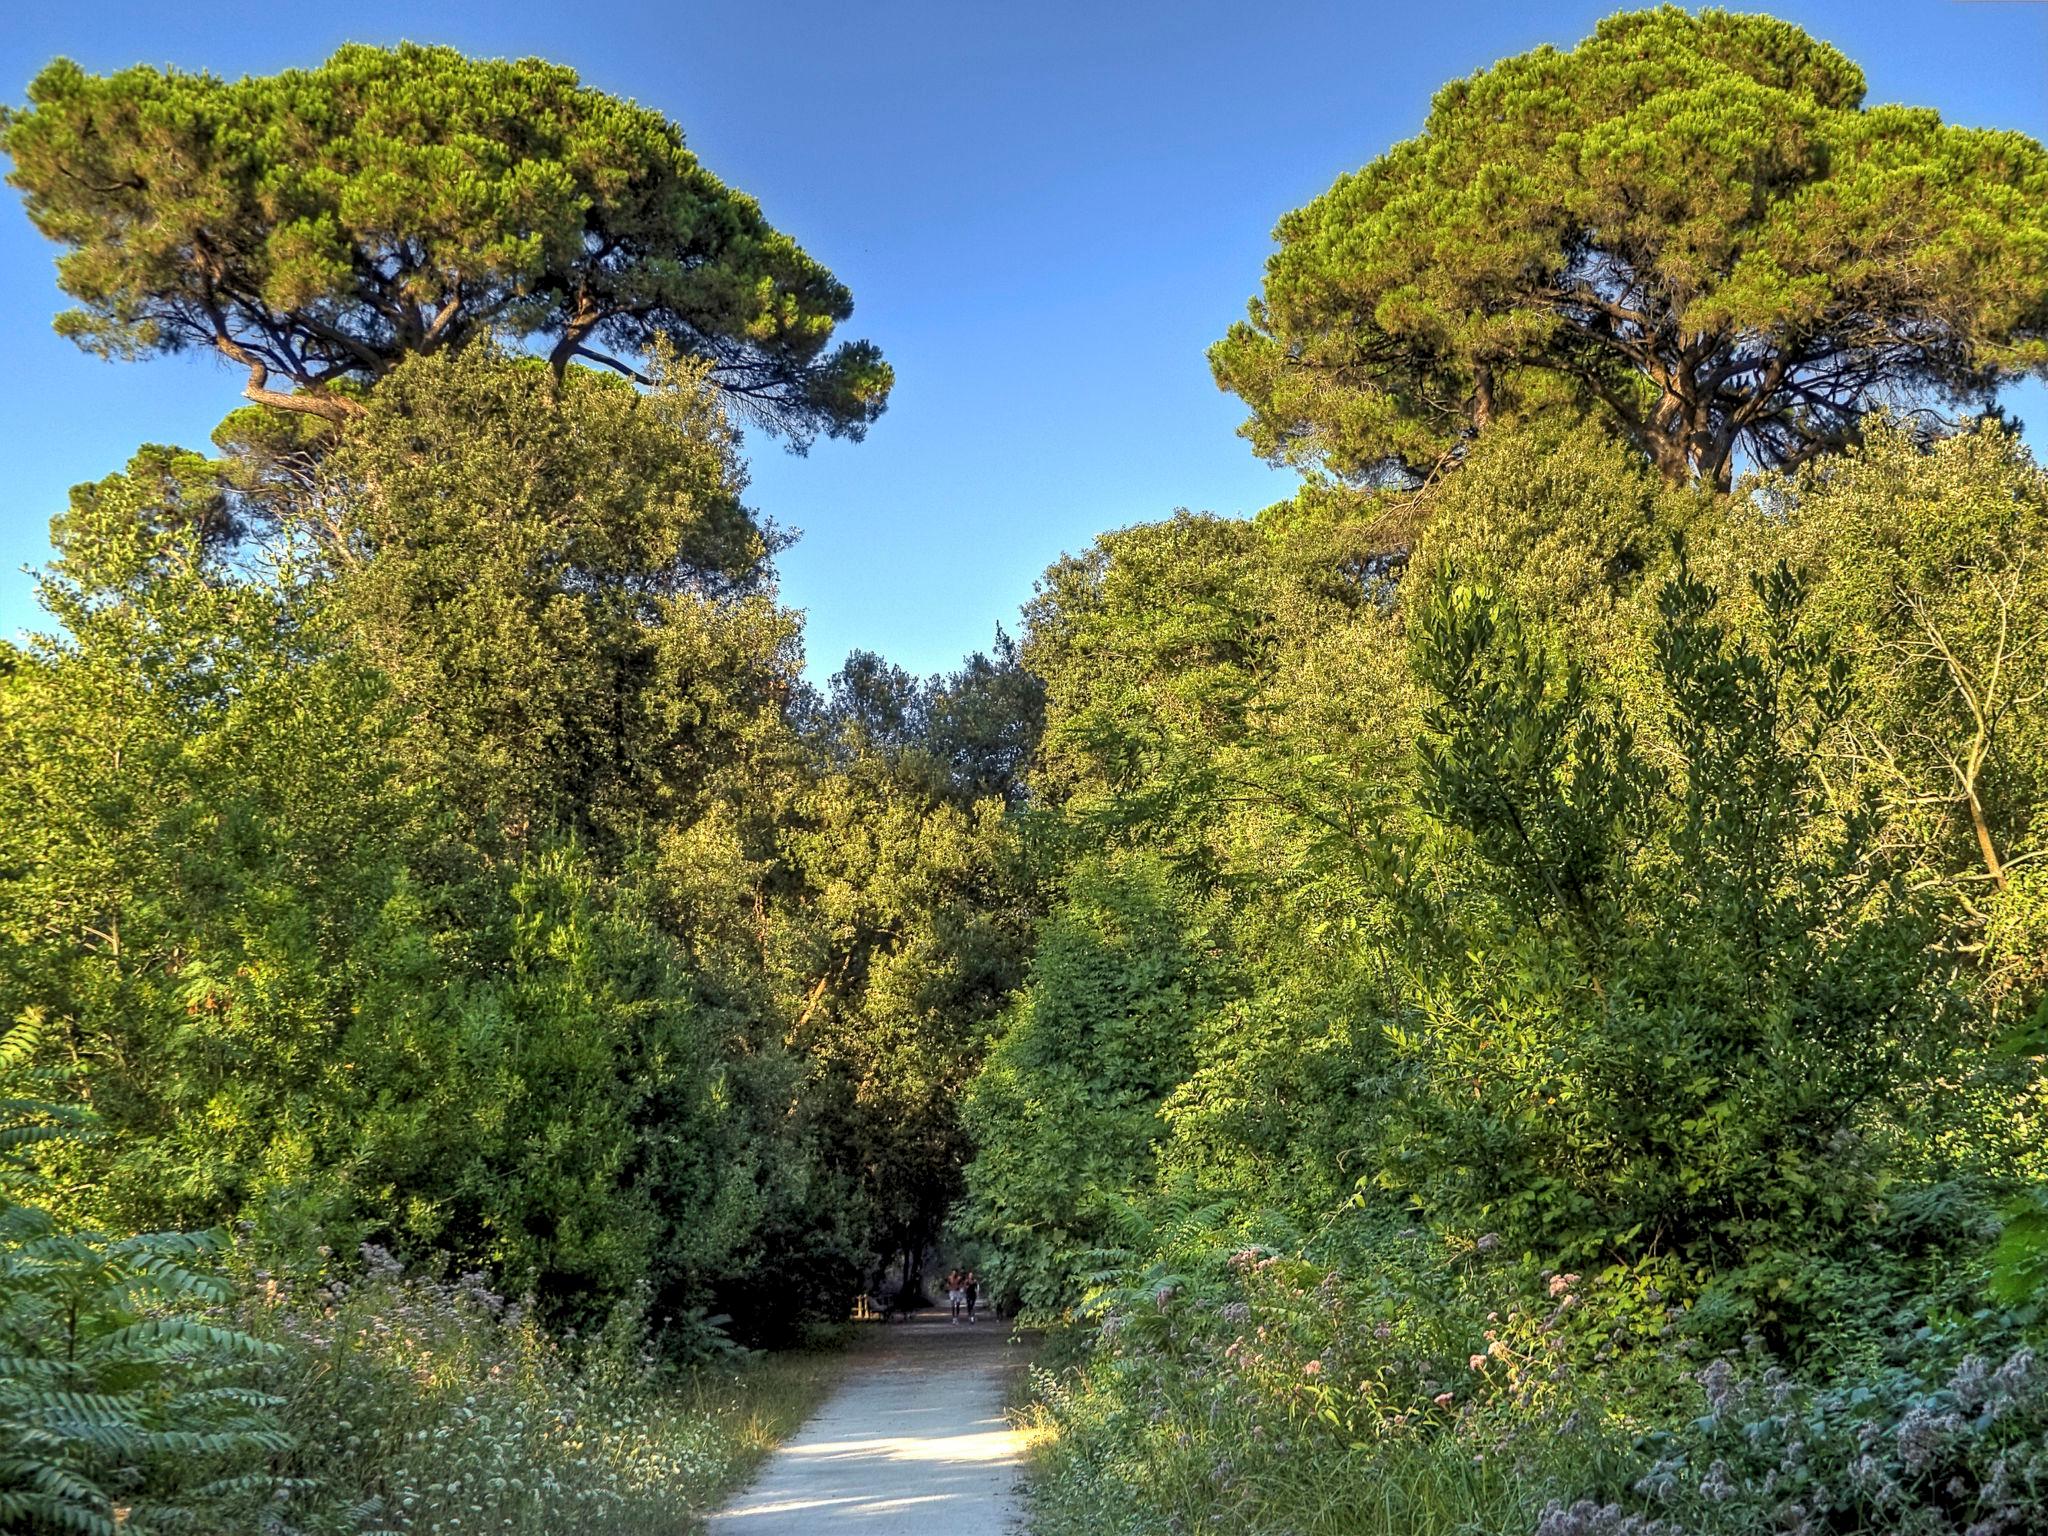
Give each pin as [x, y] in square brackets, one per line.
[119, 1408]
[1402, 1382]
[1960, 1451]
[1411, 1381]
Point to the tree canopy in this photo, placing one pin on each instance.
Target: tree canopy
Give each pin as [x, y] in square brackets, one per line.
[1689, 226]
[317, 226]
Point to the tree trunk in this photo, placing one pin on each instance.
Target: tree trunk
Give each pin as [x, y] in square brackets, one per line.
[1671, 459]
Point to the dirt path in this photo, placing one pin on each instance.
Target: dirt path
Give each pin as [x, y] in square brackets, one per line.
[913, 1441]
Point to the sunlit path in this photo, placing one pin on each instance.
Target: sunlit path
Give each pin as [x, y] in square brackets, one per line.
[914, 1441]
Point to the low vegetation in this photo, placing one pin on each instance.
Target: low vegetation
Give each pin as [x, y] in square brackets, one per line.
[417, 1404]
[160, 1382]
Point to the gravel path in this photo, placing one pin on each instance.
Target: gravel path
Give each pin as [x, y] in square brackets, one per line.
[913, 1441]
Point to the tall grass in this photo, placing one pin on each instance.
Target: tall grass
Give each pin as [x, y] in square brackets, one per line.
[1172, 1459]
[419, 1405]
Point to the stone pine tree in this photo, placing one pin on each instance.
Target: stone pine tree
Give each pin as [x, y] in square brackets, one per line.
[317, 226]
[1689, 226]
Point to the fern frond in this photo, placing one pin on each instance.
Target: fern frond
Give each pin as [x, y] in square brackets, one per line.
[23, 1038]
[155, 1333]
[60, 1482]
[218, 1442]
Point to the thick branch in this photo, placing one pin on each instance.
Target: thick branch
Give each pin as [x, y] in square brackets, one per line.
[335, 408]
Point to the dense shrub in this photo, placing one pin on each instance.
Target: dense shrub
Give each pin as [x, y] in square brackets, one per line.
[1643, 988]
[1425, 1386]
[1418, 1385]
[120, 1407]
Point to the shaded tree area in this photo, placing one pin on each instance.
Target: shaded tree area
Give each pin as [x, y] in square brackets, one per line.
[420, 829]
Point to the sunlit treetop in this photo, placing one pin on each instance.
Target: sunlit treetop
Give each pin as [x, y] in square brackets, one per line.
[1689, 226]
[318, 225]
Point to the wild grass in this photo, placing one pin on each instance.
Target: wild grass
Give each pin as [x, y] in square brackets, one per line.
[431, 1407]
[751, 1409]
[1099, 1467]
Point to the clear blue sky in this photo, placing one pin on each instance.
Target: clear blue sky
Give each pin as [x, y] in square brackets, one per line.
[1046, 211]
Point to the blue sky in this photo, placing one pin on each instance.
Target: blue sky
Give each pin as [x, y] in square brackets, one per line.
[1046, 211]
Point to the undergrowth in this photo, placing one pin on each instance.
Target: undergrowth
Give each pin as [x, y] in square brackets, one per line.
[417, 1404]
[1275, 1395]
[157, 1384]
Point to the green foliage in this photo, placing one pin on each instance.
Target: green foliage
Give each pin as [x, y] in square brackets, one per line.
[1514, 754]
[1381, 1383]
[514, 559]
[916, 927]
[1065, 1110]
[1570, 528]
[322, 225]
[1938, 1443]
[1568, 900]
[424, 832]
[1369, 1380]
[1926, 565]
[198, 818]
[120, 1409]
[315, 929]
[2020, 1273]
[1661, 987]
[1690, 227]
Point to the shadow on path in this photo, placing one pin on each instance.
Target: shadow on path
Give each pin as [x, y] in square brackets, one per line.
[913, 1441]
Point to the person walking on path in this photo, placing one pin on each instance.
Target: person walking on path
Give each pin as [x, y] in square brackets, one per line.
[956, 1293]
[971, 1284]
